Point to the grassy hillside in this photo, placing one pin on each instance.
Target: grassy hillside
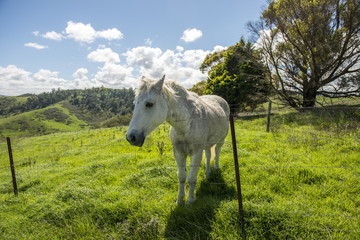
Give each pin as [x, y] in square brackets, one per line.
[299, 181]
[64, 110]
[55, 118]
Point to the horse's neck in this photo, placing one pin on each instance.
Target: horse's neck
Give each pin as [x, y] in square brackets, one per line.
[179, 115]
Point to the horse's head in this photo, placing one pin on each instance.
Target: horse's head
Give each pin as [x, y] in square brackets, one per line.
[151, 108]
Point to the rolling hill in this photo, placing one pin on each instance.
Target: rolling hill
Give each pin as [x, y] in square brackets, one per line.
[64, 110]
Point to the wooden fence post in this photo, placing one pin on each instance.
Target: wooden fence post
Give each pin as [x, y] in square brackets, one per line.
[268, 117]
[238, 184]
[12, 166]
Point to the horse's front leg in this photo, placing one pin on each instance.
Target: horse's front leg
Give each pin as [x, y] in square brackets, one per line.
[181, 164]
[193, 172]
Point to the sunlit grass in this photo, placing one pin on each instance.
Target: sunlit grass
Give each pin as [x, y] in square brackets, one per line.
[300, 180]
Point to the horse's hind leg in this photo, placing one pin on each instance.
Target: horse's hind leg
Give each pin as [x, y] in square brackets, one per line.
[208, 158]
[217, 155]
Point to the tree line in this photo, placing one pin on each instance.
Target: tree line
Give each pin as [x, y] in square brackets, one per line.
[96, 100]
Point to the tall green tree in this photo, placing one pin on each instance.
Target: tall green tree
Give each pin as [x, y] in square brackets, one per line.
[236, 75]
[310, 48]
[199, 88]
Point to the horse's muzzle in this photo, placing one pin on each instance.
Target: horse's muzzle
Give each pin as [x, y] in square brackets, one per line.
[135, 138]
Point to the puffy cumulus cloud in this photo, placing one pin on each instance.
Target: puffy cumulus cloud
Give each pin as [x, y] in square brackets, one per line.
[80, 32]
[219, 48]
[142, 56]
[53, 36]
[179, 48]
[35, 45]
[86, 33]
[81, 80]
[190, 35]
[15, 81]
[47, 77]
[110, 34]
[194, 58]
[13, 76]
[179, 65]
[105, 55]
[81, 74]
[115, 76]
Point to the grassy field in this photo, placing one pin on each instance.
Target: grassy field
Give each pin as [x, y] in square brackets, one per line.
[55, 118]
[299, 181]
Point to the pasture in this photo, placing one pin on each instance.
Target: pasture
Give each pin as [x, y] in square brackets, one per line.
[299, 181]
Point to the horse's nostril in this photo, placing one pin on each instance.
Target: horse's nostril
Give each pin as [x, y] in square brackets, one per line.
[135, 138]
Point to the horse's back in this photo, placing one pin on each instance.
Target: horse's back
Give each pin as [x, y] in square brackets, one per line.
[216, 104]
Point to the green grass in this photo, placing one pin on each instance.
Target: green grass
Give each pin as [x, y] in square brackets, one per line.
[55, 118]
[299, 181]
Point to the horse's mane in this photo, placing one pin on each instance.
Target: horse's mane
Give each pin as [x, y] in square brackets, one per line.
[171, 89]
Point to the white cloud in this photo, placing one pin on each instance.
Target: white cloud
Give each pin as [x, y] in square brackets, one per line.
[179, 65]
[219, 48]
[179, 48]
[80, 74]
[194, 58]
[190, 35]
[53, 36]
[142, 56]
[115, 76]
[13, 76]
[148, 42]
[81, 81]
[15, 81]
[36, 33]
[35, 45]
[105, 55]
[86, 33]
[47, 77]
[80, 32]
[110, 34]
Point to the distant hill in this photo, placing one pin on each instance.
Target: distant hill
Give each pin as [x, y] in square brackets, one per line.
[64, 110]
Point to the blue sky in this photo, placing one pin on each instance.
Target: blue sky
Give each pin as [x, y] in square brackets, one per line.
[46, 44]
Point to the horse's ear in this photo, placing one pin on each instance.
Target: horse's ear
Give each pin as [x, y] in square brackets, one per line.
[158, 85]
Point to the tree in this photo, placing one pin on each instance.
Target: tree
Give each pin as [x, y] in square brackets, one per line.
[310, 48]
[236, 75]
[199, 88]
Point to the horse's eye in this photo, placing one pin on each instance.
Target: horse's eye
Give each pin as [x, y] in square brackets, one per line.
[149, 104]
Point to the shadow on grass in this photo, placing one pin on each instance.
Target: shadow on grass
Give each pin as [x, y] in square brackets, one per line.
[194, 222]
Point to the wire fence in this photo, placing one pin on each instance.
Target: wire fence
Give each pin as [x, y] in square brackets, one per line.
[339, 173]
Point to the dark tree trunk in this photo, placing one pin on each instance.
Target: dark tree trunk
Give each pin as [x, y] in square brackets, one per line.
[309, 97]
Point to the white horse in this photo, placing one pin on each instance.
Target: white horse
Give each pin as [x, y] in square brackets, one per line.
[197, 123]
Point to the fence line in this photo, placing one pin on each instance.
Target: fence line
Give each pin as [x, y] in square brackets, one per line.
[228, 144]
[174, 166]
[126, 144]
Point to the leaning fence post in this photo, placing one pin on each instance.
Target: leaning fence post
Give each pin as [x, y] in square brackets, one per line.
[12, 166]
[268, 117]
[241, 211]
